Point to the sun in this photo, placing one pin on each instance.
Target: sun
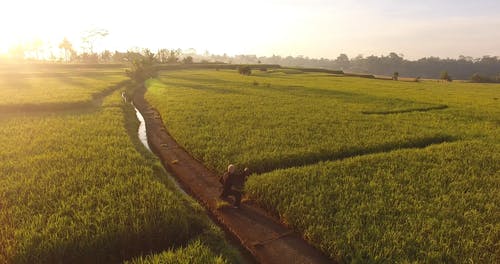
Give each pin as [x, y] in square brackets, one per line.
[14, 31]
[23, 23]
[7, 37]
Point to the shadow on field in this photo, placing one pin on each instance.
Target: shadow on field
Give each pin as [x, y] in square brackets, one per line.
[21, 75]
[88, 105]
[409, 110]
[268, 165]
[305, 91]
[212, 88]
[73, 81]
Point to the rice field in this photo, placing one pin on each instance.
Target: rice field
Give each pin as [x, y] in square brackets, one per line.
[287, 120]
[437, 204]
[49, 87]
[78, 187]
[367, 170]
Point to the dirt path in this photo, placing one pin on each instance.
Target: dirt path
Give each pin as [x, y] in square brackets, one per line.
[263, 236]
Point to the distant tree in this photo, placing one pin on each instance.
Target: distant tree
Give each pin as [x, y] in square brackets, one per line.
[244, 70]
[132, 55]
[395, 58]
[162, 55]
[476, 77]
[106, 56]
[119, 57]
[395, 76]
[89, 58]
[73, 56]
[142, 68]
[149, 56]
[173, 56]
[187, 60]
[168, 56]
[445, 76]
[465, 58]
[342, 61]
[67, 47]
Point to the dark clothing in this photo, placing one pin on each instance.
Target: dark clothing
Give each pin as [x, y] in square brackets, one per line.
[232, 185]
[238, 182]
[234, 193]
[225, 177]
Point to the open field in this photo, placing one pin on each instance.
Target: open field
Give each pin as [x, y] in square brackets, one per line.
[289, 120]
[438, 204]
[424, 187]
[49, 87]
[77, 187]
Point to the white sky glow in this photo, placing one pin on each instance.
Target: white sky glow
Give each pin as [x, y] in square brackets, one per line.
[314, 28]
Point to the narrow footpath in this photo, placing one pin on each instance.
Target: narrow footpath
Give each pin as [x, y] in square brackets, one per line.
[262, 235]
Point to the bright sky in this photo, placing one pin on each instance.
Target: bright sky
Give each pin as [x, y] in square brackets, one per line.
[314, 28]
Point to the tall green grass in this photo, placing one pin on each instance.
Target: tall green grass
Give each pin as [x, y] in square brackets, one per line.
[74, 189]
[195, 253]
[424, 187]
[435, 205]
[209, 247]
[55, 88]
[291, 120]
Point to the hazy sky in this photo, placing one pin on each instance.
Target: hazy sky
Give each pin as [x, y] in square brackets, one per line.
[314, 28]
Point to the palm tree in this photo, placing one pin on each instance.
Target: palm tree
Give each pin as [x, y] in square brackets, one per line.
[67, 47]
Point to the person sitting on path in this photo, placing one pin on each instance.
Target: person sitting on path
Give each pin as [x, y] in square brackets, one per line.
[233, 183]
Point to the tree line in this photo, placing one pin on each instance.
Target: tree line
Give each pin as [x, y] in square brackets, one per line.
[464, 68]
[484, 69]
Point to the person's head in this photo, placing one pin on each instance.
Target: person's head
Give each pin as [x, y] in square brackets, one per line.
[231, 168]
[246, 171]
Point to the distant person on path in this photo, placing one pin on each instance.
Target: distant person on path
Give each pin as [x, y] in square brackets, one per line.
[233, 183]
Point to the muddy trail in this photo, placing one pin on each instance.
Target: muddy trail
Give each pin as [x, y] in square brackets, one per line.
[260, 234]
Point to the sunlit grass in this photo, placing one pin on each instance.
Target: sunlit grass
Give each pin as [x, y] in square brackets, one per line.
[74, 189]
[221, 117]
[428, 203]
[438, 204]
[196, 253]
[59, 86]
